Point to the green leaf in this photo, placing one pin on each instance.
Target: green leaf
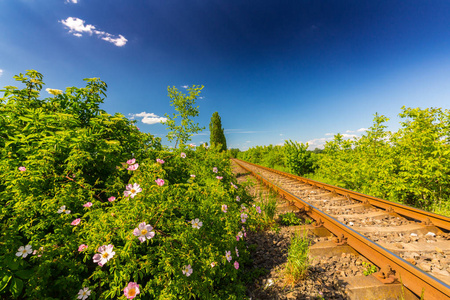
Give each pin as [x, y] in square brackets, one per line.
[12, 263]
[5, 280]
[16, 287]
[24, 274]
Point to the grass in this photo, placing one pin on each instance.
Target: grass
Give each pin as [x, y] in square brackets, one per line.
[298, 257]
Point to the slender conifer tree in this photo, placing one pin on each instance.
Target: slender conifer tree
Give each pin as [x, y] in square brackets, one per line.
[216, 132]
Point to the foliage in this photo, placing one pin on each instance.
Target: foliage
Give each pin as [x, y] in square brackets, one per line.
[409, 166]
[63, 153]
[269, 156]
[186, 110]
[298, 256]
[233, 152]
[299, 160]
[370, 269]
[217, 136]
[289, 219]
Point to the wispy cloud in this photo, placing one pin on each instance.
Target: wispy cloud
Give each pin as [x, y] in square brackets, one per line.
[148, 118]
[72, 1]
[329, 133]
[184, 86]
[77, 27]
[361, 130]
[350, 131]
[1, 72]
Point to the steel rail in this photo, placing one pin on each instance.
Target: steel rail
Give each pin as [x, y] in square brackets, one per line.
[401, 209]
[413, 278]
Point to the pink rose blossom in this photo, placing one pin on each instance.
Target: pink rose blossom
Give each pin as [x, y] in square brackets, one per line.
[183, 155]
[89, 204]
[133, 167]
[192, 175]
[228, 255]
[111, 199]
[237, 251]
[258, 209]
[224, 208]
[131, 161]
[238, 198]
[160, 161]
[22, 169]
[236, 265]
[132, 190]
[213, 264]
[76, 222]
[215, 170]
[105, 255]
[187, 270]
[143, 232]
[159, 181]
[132, 290]
[192, 145]
[82, 247]
[219, 177]
[235, 186]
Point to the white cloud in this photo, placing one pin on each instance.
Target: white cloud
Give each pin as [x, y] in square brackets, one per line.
[348, 136]
[119, 42]
[329, 133]
[362, 129]
[350, 131]
[149, 118]
[1, 72]
[184, 86]
[77, 27]
[72, 1]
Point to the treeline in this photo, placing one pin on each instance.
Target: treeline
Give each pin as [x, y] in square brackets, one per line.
[410, 166]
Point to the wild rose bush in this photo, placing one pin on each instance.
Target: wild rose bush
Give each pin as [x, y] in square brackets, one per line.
[93, 208]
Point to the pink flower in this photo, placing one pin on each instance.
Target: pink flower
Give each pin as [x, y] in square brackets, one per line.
[76, 222]
[238, 198]
[215, 170]
[89, 204]
[192, 175]
[236, 265]
[213, 264]
[144, 231]
[239, 235]
[192, 145]
[235, 186]
[22, 169]
[105, 255]
[82, 247]
[159, 181]
[187, 270]
[160, 161]
[133, 167]
[224, 208]
[219, 177]
[131, 161]
[183, 155]
[132, 190]
[258, 209]
[228, 255]
[111, 199]
[237, 251]
[131, 290]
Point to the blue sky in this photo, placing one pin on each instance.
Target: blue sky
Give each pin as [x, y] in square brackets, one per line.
[274, 70]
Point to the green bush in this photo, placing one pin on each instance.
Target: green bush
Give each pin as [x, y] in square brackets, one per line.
[92, 205]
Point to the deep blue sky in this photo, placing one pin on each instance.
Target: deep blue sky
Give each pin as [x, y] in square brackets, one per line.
[274, 70]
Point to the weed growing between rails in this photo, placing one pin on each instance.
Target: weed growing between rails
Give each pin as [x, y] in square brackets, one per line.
[93, 208]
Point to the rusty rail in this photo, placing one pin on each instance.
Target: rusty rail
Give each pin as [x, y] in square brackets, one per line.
[413, 278]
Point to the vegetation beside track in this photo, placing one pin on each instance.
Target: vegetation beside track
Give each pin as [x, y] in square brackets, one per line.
[410, 166]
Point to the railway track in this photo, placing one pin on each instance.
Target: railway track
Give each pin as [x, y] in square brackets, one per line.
[407, 244]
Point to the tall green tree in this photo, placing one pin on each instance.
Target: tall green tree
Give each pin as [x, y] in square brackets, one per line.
[217, 137]
[186, 110]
